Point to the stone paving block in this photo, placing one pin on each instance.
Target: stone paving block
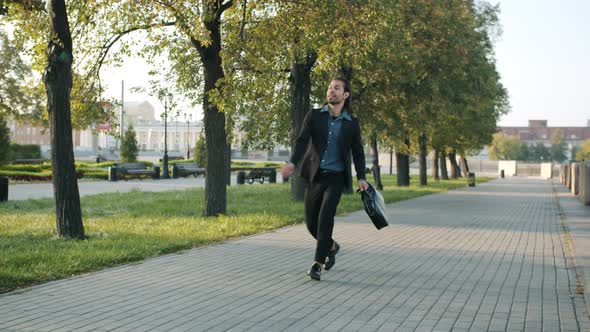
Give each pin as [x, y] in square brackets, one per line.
[495, 263]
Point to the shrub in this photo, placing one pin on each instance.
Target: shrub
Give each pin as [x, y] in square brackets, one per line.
[200, 151]
[26, 151]
[129, 148]
[24, 168]
[5, 152]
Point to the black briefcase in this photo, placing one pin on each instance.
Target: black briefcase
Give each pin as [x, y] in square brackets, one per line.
[374, 206]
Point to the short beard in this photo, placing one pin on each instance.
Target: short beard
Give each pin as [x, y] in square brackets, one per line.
[333, 103]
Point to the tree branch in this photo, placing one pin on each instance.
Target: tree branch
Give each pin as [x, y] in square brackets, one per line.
[225, 6]
[243, 25]
[107, 46]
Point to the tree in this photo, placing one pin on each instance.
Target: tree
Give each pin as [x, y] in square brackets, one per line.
[558, 148]
[4, 141]
[129, 147]
[200, 152]
[525, 153]
[504, 147]
[584, 152]
[539, 152]
[20, 96]
[58, 83]
[574, 152]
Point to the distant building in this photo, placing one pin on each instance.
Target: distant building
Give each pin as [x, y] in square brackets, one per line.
[538, 131]
[97, 140]
[23, 133]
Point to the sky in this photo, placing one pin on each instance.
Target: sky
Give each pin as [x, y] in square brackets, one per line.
[543, 57]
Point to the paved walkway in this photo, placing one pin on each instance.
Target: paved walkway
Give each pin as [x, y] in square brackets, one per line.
[45, 190]
[491, 258]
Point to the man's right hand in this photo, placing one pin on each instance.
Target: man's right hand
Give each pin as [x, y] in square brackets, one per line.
[287, 170]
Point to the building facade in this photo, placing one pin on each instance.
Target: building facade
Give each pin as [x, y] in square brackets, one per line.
[539, 131]
[182, 133]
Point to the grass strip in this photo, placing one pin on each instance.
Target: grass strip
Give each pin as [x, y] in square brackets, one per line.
[128, 227]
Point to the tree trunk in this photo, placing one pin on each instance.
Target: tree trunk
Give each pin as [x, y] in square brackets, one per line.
[228, 163]
[422, 160]
[453, 162]
[443, 165]
[435, 173]
[214, 120]
[300, 80]
[391, 160]
[403, 167]
[464, 166]
[376, 168]
[346, 72]
[58, 85]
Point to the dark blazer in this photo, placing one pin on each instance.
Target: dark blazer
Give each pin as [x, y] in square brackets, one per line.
[315, 127]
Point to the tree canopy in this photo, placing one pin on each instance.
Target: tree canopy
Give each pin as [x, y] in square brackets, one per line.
[418, 68]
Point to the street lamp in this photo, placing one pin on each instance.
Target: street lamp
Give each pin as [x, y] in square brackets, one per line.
[188, 135]
[165, 174]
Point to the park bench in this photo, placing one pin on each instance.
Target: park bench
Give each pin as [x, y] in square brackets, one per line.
[258, 174]
[186, 169]
[137, 170]
[29, 161]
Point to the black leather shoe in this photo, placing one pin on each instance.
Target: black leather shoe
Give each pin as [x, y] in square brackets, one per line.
[315, 271]
[332, 257]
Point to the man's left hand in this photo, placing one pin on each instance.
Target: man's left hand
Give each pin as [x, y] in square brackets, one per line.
[363, 185]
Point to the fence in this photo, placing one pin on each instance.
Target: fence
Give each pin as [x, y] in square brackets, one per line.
[528, 169]
[576, 177]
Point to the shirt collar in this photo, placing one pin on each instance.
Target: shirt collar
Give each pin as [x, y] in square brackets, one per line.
[344, 113]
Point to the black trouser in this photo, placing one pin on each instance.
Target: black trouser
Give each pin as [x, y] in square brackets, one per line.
[321, 200]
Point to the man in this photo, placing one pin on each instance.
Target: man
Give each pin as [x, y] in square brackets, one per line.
[334, 134]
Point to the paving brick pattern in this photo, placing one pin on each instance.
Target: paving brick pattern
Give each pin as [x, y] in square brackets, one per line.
[489, 258]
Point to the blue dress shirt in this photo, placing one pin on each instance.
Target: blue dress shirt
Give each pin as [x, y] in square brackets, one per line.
[332, 160]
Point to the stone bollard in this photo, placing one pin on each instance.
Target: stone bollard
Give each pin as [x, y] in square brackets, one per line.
[584, 182]
[562, 174]
[575, 177]
[568, 177]
[502, 173]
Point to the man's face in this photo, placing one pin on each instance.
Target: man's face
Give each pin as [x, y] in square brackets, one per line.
[335, 94]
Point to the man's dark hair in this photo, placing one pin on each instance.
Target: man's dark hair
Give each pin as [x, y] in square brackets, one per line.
[347, 105]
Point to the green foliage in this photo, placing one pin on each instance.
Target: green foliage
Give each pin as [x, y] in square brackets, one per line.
[584, 152]
[504, 147]
[525, 152]
[574, 152]
[200, 151]
[19, 95]
[558, 147]
[5, 153]
[539, 152]
[128, 227]
[129, 148]
[25, 151]
[25, 168]
[511, 148]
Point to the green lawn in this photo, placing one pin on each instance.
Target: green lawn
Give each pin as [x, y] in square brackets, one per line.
[127, 227]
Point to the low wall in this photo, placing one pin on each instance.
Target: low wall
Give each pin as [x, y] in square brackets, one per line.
[509, 167]
[575, 176]
[584, 182]
[547, 170]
